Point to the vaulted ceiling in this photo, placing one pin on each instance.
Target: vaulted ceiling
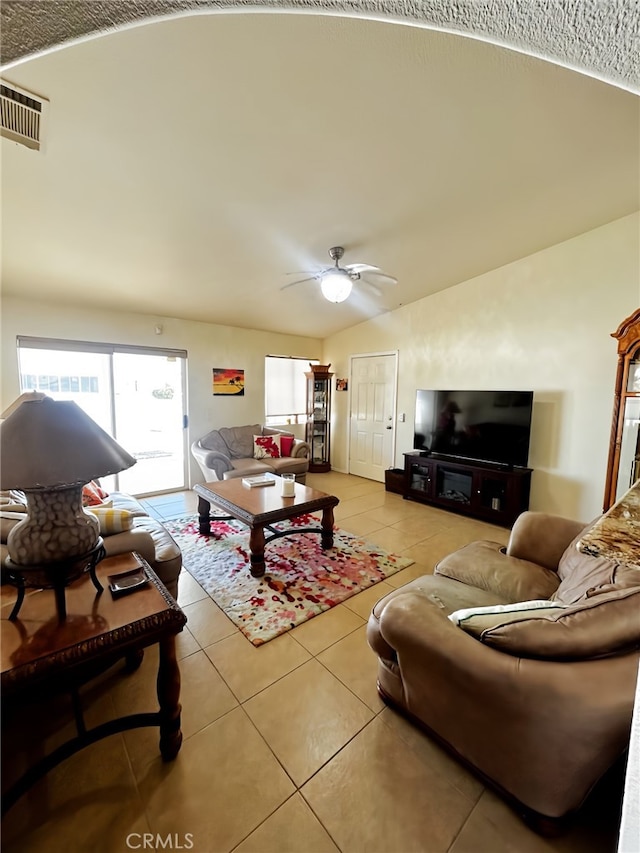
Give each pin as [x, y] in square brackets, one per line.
[190, 163]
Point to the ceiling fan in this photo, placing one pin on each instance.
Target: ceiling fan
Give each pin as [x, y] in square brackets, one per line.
[336, 281]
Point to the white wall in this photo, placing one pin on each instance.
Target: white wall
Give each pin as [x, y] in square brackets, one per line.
[207, 345]
[542, 323]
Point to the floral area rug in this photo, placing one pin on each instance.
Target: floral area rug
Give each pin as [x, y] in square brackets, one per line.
[300, 581]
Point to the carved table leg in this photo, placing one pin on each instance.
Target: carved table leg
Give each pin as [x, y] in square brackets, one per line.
[256, 548]
[168, 696]
[204, 517]
[326, 537]
[132, 660]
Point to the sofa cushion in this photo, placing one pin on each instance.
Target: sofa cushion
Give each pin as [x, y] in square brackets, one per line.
[289, 465]
[248, 467]
[446, 594]
[581, 574]
[484, 565]
[266, 447]
[239, 440]
[121, 500]
[600, 626]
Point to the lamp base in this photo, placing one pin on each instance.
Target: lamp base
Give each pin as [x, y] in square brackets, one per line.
[56, 576]
[56, 527]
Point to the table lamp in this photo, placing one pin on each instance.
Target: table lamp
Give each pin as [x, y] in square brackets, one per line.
[49, 449]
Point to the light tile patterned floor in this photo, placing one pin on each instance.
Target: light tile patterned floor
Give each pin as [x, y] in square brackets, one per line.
[288, 748]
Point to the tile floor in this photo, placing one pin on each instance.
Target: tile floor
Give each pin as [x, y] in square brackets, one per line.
[287, 747]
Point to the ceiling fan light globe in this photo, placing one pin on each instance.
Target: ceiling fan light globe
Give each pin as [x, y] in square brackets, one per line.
[336, 286]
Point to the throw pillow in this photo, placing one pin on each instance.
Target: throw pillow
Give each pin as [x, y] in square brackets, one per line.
[266, 446]
[476, 620]
[604, 625]
[112, 520]
[286, 444]
[93, 494]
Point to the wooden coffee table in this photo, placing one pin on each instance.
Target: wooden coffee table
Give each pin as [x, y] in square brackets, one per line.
[261, 507]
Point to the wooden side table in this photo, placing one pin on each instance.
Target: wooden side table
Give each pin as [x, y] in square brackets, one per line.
[41, 654]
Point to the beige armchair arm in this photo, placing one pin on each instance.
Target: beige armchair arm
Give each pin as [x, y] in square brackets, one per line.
[212, 463]
[542, 538]
[485, 565]
[300, 449]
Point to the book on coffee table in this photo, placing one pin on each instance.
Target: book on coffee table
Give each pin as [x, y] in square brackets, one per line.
[259, 480]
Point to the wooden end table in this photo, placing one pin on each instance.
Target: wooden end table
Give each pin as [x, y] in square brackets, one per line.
[42, 654]
[261, 507]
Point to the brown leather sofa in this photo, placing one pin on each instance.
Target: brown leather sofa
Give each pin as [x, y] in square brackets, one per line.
[538, 702]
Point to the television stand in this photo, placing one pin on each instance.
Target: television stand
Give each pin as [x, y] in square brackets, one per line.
[494, 493]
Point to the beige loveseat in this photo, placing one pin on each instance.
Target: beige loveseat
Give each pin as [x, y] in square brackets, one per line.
[145, 535]
[538, 702]
[229, 452]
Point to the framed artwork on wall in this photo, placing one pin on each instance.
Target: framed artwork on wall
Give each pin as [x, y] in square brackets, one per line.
[228, 382]
[342, 385]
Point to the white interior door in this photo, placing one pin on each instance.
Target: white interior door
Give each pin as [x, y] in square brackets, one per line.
[372, 418]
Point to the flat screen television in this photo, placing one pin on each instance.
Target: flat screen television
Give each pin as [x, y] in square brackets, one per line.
[479, 426]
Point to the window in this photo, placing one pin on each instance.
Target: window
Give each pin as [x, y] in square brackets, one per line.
[136, 394]
[285, 387]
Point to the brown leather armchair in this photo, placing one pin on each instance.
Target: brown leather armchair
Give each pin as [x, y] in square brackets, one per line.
[538, 702]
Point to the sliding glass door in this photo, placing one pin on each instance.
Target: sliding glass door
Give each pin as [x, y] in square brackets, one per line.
[149, 411]
[135, 394]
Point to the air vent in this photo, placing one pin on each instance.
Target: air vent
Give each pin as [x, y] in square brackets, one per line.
[21, 116]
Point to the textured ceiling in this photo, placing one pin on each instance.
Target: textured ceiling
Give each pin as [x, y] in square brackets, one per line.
[599, 38]
[191, 163]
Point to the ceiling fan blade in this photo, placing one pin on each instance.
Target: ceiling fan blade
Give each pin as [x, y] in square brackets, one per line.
[299, 281]
[367, 285]
[360, 268]
[379, 277]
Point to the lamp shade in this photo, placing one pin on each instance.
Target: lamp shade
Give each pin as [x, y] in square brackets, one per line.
[48, 443]
[336, 285]
[27, 396]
